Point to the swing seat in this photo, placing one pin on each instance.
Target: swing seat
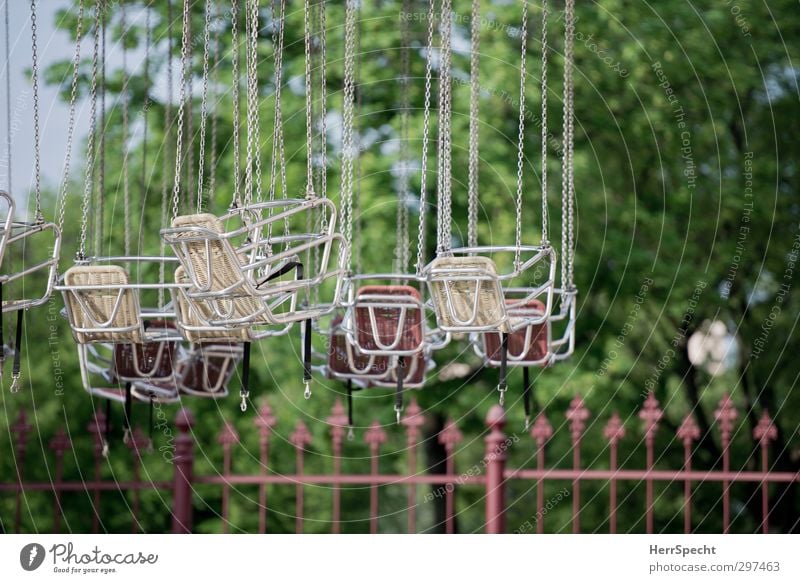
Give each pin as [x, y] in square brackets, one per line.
[32, 236]
[152, 361]
[206, 370]
[100, 305]
[466, 294]
[527, 346]
[346, 361]
[239, 271]
[94, 365]
[388, 320]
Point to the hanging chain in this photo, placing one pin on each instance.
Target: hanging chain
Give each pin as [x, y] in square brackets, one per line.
[348, 155]
[568, 173]
[8, 92]
[323, 116]
[38, 217]
[253, 155]
[444, 215]
[176, 187]
[278, 147]
[401, 252]
[357, 229]
[521, 137]
[310, 193]
[126, 198]
[545, 218]
[203, 107]
[426, 123]
[165, 190]
[90, 141]
[474, 124]
[73, 95]
[101, 183]
[148, 35]
[236, 200]
[212, 174]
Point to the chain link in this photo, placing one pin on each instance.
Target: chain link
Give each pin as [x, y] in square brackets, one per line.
[125, 96]
[9, 143]
[474, 125]
[426, 123]
[348, 155]
[203, 106]
[37, 147]
[176, 187]
[310, 193]
[237, 155]
[101, 182]
[73, 96]
[521, 137]
[444, 215]
[545, 218]
[212, 174]
[90, 140]
[401, 244]
[568, 183]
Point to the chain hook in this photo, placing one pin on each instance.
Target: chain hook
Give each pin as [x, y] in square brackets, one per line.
[243, 405]
[307, 391]
[104, 451]
[502, 388]
[15, 383]
[351, 435]
[398, 410]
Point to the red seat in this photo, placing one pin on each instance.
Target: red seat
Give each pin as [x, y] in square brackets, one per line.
[378, 326]
[518, 349]
[341, 353]
[155, 359]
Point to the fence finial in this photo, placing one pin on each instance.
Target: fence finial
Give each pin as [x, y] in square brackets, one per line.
[651, 414]
[450, 435]
[265, 421]
[765, 432]
[577, 414]
[688, 432]
[541, 430]
[338, 421]
[614, 430]
[725, 415]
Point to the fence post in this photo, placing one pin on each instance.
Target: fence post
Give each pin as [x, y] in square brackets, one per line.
[495, 463]
[183, 463]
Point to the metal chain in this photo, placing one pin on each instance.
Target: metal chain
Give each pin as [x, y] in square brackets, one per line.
[212, 174]
[348, 155]
[444, 215]
[357, 229]
[310, 193]
[236, 200]
[278, 161]
[36, 128]
[144, 112]
[165, 193]
[568, 250]
[73, 95]
[521, 137]
[101, 183]
[545, 217]
[203, 106]
[253, 162]
[188, 132]
[426, 123]
[88, 181]
[176, 187]
[401, 252]
[126, 198]
[474, 125]
[8, 93]
[323, 117]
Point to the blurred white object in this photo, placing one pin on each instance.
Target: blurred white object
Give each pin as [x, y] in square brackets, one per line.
[713, 348]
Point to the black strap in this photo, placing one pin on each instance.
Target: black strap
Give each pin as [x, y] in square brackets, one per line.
[244, 392]
[502, 384]
[350, 402]
[526, 394]
[18, 344]
[307, 351]
[287, 267]
[128, 406]
[150, 420]
[398, 394]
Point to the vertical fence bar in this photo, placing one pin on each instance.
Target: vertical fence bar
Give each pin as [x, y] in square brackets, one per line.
[137, 442]
[374, 437]
[688, 433]
[725, 415]
[765, 433]
[650, 414]
[577, 414]
[20, 430]
[300, 438]
[183, 473]
[337, 421]
[98, 427]
[59, 444]
[265, 422]
[449, 437]
[614, 432]
[541, 431]
[228, 436]
[495, 463]
[412, 421]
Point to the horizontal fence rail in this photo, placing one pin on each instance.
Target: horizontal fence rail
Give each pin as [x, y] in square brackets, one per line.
[491, 474]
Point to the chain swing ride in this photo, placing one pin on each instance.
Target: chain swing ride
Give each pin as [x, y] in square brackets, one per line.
[155, 328]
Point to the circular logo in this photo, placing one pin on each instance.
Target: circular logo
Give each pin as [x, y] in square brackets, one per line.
[31, 556]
